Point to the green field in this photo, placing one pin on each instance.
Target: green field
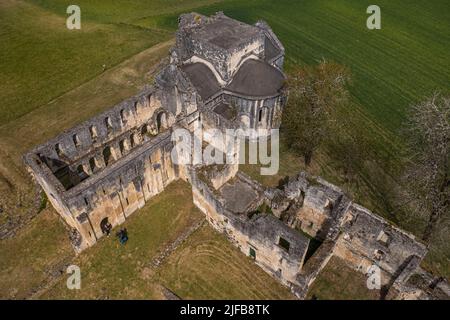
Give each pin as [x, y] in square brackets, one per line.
[52, 78]
[403, 62]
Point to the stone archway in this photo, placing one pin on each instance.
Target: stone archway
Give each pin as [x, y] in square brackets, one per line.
[161, 121]
[105, 226]
[107, 155]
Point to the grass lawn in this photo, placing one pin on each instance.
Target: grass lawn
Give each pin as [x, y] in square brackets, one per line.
[40, 59]
[27, 259]
[290, 164]
[207, 266]
[338, 282]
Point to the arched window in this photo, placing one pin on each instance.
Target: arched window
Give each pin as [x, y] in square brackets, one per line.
[122, 146]
[107, 155]
[122, 116]
[149, 98]
[93, 132]
[105, 226]
[108, 124]
[132, 140]
[81, 173]
[161, 121]
[58, 149]
[92, 164]
[144, 129]
[260, 115]
[76, 140]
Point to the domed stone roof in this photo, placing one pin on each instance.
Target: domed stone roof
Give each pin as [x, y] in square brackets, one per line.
[257, 79]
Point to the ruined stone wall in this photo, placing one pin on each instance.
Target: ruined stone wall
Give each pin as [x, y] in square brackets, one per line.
[214, 55]
[251, 49]
[98, 131]
[110, 165]
[225, 62]
[347, 230]
[277, 60]
[218, 177]
[257, 237]
[367, 240]
[317, 213]
[414, 283]
[90, 147]
[125, 187]
[312, 206]
[49, 183]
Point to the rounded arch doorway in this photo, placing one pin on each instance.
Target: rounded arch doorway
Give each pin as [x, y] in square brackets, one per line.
[105, 226]
[161, 121]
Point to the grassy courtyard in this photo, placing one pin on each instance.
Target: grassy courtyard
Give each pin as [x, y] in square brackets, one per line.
[28, 260]
[207, 266]
[337, 281]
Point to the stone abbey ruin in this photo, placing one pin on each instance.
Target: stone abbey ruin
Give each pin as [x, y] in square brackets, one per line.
[222, 74]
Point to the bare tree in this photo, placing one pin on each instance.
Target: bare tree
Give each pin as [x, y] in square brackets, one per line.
[314, 92]
[427, 178]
